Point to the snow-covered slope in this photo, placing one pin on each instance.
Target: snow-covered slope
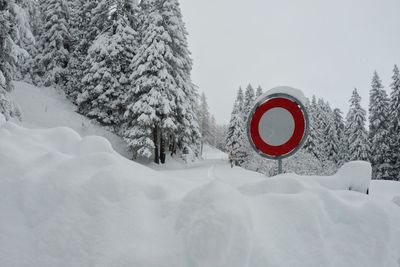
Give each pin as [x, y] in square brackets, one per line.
[47, 107]
[72, 201]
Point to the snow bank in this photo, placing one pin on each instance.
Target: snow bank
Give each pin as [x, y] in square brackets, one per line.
[72, 201]
[216, 227]
[48, 107]
[355, 175]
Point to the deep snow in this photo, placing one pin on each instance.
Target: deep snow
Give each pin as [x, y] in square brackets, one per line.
[72, 201]
[47, 107]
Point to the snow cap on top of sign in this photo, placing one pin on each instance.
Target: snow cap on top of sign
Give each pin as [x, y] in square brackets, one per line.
[296, 93]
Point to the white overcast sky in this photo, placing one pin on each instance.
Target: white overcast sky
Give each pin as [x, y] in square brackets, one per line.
[323, 47]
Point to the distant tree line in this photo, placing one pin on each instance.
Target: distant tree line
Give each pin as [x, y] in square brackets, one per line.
[333, 140]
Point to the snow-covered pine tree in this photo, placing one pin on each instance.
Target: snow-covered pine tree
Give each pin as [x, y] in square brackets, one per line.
[321, 121]
[249, 98]
[331, 143]
[379, 130]
[238, 105]
[83, 33]
[107, 69]
[248, 103]
[236, 133]
[7, 61]
[162, 89]
[24, 40]
[54, 43]
[312, 144]
[340, 136]
[204, 122]
[259, 91]
[394, 125]
[187, 134]
[357, 136]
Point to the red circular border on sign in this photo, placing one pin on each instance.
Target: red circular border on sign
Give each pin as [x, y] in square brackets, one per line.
[294, 140]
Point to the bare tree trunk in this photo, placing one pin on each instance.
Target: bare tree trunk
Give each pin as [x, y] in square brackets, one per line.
[162, 147]
[155, 139]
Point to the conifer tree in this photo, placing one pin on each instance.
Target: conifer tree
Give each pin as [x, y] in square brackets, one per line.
[248, 103]
[21, 13]
[162, 99]
[205, 122]
[259, 91]
[358, 147]
[54, 43]
[7, 61]
[321, 122]
[379, 130]
[107, 70]
[340, 136]
[188, 134]
[83, 33]
[312, 144]
[394, 124]
[331, 143]
[235, 141]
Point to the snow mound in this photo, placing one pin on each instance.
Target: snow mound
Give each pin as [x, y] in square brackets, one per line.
[72, 201]
[216, 227]
[354, 175]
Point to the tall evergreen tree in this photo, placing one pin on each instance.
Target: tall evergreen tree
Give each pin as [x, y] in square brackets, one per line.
[379, 129]
[238, 107]
[205, 122]
[331, 143]
[394, 129]
[21, 13]
[83, 33]
[188, 134]
[259, 91]
[358, 147]
[236, 135]
[7, 61]
[54, 43]
[312, 144]
[162, 100]
[248, 103]
[340, 136]
[107, 70]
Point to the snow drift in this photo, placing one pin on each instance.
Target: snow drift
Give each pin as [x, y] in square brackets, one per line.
[72, 201]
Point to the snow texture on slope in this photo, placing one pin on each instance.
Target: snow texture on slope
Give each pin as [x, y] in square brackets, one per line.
[47, 107]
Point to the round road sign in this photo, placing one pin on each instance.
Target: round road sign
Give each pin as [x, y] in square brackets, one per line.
[277, 125]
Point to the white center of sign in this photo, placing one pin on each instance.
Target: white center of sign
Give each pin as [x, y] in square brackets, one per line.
[276, 126]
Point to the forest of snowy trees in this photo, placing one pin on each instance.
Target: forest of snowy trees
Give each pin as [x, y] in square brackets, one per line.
[123, 63]
[333, 139]
[127, 65]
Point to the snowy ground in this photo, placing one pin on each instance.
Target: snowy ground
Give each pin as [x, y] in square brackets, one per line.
[72, 201]
[46, 107]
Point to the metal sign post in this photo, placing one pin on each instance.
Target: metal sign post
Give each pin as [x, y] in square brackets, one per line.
[277, 126]
[279, 166]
